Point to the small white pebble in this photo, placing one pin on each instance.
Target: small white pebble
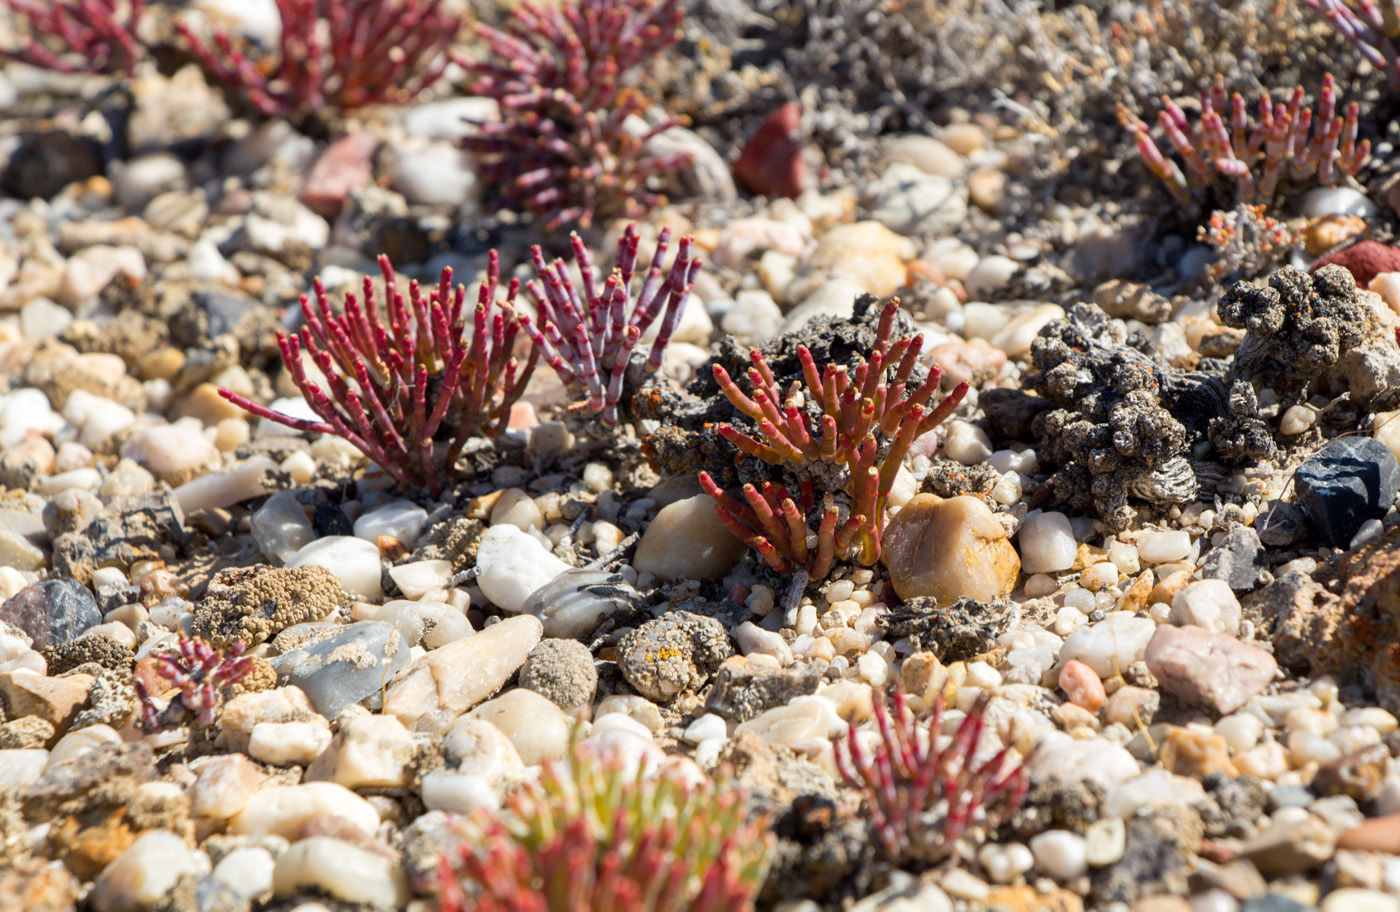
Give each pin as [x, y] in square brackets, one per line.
[598, 477]
[980, 674]
[874, 669]
[1163, 547]
[1040, 584]
[1370, 531]
[1124, 556]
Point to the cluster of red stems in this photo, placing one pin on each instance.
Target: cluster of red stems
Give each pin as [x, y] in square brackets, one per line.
[202, 674]
[412, 378]
[921, 798]
[1289, 140]
[1372, 27]
[868, 418]
[593, 834]
[564, 149]
[356, 53]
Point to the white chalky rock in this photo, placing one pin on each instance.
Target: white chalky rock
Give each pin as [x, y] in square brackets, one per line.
[143, 874]
[418, 578]
[1047, 543]
[966, 443]
[1111, 645]
[369, 751]
[515, 507]
[436, 173]
[285, 743]
[1209, 604]
[246, 871]
[342, 871]
[511, 564]
[457, 793]
[224, 489]
[754, 318]
[171, 450]
[1163, 547]
[479, 749]
[353, 561]
[1060, 854]
[402, 520]
[281, 527]
[802, 721]
[537, 729]
[705, 728]
[1070, 760]
[282, 810]
[26, 410]
[444, 119]
[97, 418]
[224, 786]
[91, 269]
[43, 319]
[21, 768]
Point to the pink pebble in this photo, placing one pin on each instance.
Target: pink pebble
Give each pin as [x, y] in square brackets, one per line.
[1082, 685]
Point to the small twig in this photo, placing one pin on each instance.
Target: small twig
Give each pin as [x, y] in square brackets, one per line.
[792, 599]
[466, 576]
[614, 555]
[568, 539]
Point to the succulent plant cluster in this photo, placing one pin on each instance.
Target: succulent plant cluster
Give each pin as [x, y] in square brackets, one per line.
[91, 36]
[570, 147]
[861, 419]
[1371, 28]
[1289, 142]
[202, 674]
[356, 53]
[922, 795]
[410, 386]
[593, 833]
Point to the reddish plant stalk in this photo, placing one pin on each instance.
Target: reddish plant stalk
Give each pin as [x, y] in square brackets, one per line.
[408, 395]
[1370, 26]
[92, 36]
[361, 52]
[588, 331]
[202, 674]
[922, 798]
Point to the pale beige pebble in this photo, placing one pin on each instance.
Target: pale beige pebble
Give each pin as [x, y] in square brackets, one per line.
[243, 712]
[1167, 589]
[1016, 337]
[801, 722]
[205, 404]
[515, 507]
[144, 874]
[342, 871]
[686, 540]
[11, 582]
[1267, 760]
[1082, 685]
[637, 707]
[854, 701]
[282, 810]
[461, 674]
[971, 360]
[986, 187]
[964, 138]
[537, 728]
[300, 467]
[369, 751]
[55, 700]
[1105, 841]
[175, 453]
[946, 549]
[224, 785]
[91, 269]
[865, 252]
[1387, 285]
[1387, 430]
[1297, 420]
[1039, 585]
[1130, 706]
[925, 153]
[1240, 730]
[1124, 556]
[285, 743]
[476, 747]
[19, 553]
[1099, 576]
[1291, 847]
[1210, 669]
[224, 489]
[21, 767]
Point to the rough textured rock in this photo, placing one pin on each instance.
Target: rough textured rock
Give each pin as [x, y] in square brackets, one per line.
[254, 603]
[673, 654]
[54, 611]
[958, 632]
[744, 690]
[561, 670]
[1352, 480]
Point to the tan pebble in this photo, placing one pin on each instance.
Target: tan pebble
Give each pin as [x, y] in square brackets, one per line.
[1327, 231]
[1131, 706]
[1071, 718]
[205, 403]
[1099, 576]
[1082, 685]
[1187, 752]
[964, 138]
[919, 671]
[1135, 599]
[948, 549]
[1086, 555]
[1167, 589]
[161, 364]
[1379, 834]
[986, 187]
[231, 433]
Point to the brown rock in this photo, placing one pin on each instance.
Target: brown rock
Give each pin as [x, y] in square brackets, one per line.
[346, 165]
[1194, 753]
[87, 849]
[1364, 260]
[1026, 898]
[1357, 774]
[1379, 834]
[1291, 848]
[947, 549]
[39, 886]
[55, 700]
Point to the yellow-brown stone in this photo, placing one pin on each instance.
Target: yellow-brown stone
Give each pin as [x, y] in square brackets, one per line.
[947, 549]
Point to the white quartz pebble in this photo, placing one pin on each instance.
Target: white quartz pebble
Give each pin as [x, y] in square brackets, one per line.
[418, 578]
[400, 519]
[143, 874]
[1111, 645]
[1162, 547]
[224, 489]
[353, 561]
[342, 871]
[281, 810]
[1047, 543]
[281, 527]
[511, 564]
[1207, 603]
[1060, 854]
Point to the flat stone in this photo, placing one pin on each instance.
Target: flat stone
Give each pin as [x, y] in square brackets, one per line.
[345, 668]
[465, 672]
[1210, 669]
[281, 810]
[54, 611]
[537, 729]
[1292, 847]
[342, 871]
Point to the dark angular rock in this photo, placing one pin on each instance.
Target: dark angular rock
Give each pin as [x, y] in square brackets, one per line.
[1351, 481]
[1284, 524]
[329, 519]
[1237, 560]
[964, 629]
[1274, 902]
[47, 161]
[54, 611]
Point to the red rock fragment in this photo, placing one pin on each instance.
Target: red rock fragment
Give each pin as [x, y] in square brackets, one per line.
[1364, 260]
[771, 163]
[345, 166]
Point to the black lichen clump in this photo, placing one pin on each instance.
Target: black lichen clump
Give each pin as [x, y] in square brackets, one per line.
[1297, 328]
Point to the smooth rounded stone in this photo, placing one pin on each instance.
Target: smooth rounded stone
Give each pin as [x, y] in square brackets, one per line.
[1356, 899]
[400, 519]
[54, 611]
[139, 180]
[247, 871]
[576, 602]
[1291, 847]
[705, 728]
[990, 274]
[674, 654]
[19, 553]
[26, 410]
[1105, 841]
[21, 768]
[369, 751]
[1241, 730]
[418, 578]
[537, 728]
[1209, 669]
[755, 317]
[1154, 788]
[1321, 201]
[43, 319]
[686, 540]
[864, 252]
[219, 490]
[947, 549]
[141, 876]
[562, 671]
[281, 527]
[925, 153]
[456, 793]
[346, 667]
[1060, 854]
[436, 173]
[1209, 604]
[1069, 760]
[1021, 330]
[413, 620]
[1082, 685]
[1111, 645]
[833, 298]
[1354, 479]
[1047, 543]
[341, 871]
[911, 201]
[282, 810]
[511, 564]
[286, 743]
[478, 748]
[639, 708]
[1163, 547]
[515, 507]
[966, 443]
[92, 269]
[802, 722]
[1003, 863]
[461, 674]
[353, 561]
[224, 786]
[84, 741]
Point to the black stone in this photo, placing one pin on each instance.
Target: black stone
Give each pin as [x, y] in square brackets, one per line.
[54, 611]
[329, 519]
[1353, 480]
[47, 161]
